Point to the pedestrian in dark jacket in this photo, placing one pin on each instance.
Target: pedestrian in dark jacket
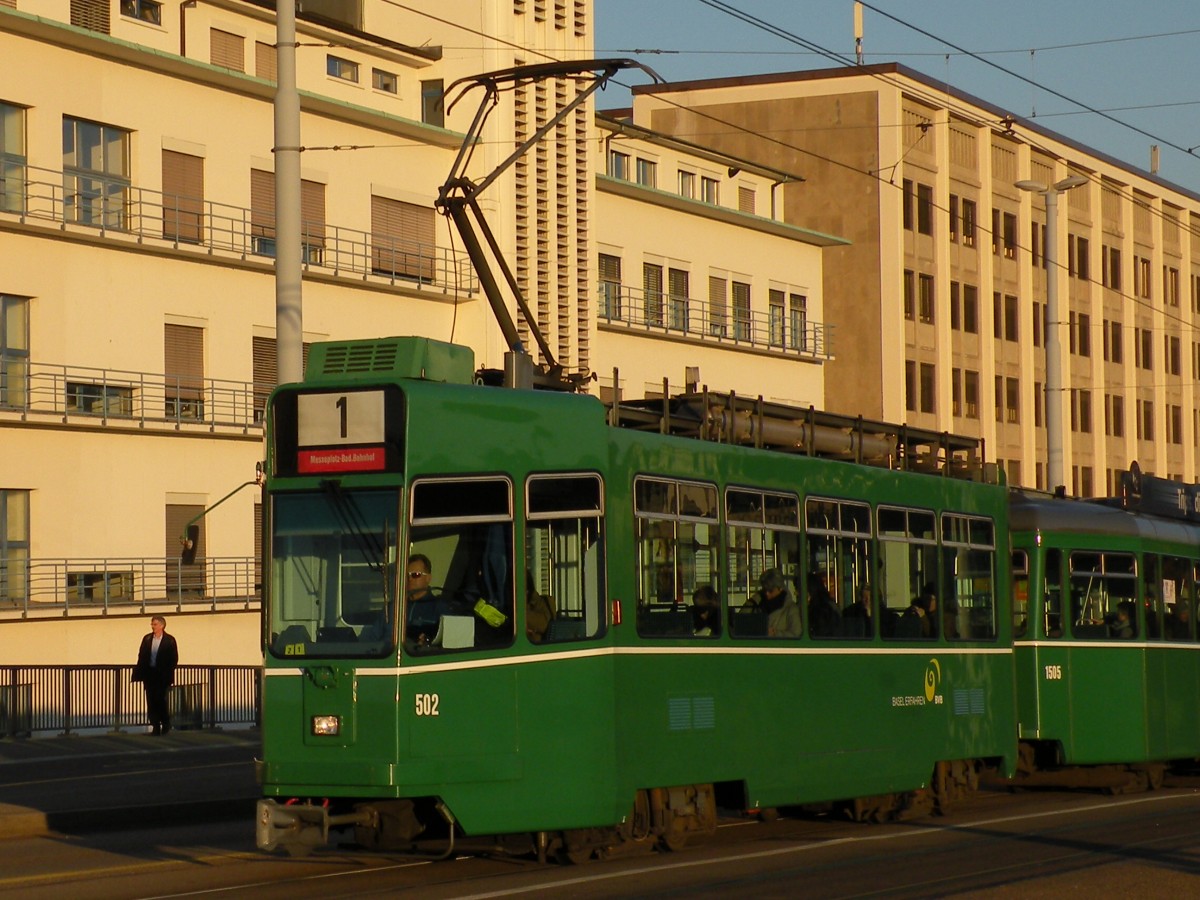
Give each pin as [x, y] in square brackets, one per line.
[157, 658]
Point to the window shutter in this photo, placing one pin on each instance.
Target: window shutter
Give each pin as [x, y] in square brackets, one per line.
[90, 14]
[746, 200]
[183, 196]
[227, 50]
[312, 212]
[184, 578]
[265, 62]
[402, 238]
[262, 203]
[184, 361]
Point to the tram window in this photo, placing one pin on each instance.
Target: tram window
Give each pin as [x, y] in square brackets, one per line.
[838, 555]
[333, 573]
[1152, 596]
[677, 555]
[1020, 592]
[968, 608]
[1052, 592]
[763, 532]
[1178, 596]
[564, 558]
[908, 573]
[463, 526]
[1103, 595]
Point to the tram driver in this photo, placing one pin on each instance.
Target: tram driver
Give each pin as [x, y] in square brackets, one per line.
[425, 608]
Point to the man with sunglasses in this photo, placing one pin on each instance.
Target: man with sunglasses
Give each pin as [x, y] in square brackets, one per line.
[425, 608]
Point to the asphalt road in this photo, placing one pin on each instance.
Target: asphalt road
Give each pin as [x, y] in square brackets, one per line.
[1033, 844]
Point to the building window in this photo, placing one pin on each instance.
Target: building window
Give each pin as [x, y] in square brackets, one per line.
[618, 165]
[433, 109]
[968, 222]
[910, 385]
[183, 197]
[956, 392]
[1083, 268]
[718, 298]
[954, 218]
[924, 209]
[687, 184]
[925, 297]
[652, 293]
[403, 239]
[746, 200]
[262, 216]
[227, 50]
[1010, 236]
[265, 366]
[741, 311]
[1038, 394]
[971, 394]
[647, 172]
[1011, 318]
[999, 398]
[1110, 257]
[143, 10]
[776, 322]
[385, 81]
[266, 62]
[1173, 355]
[1114, 415]
[1170, 286]
[14, 352]
[1038, 315]
[1012, 400]
[183, 358]
[14, 546]
[677, 299]
[12, 158]
[906, 204]
[1085, 335]
[185, 579]
[928, 388]
[798, 320]
[910, 290]
[955, 307]
[970, 309]
[90, 14]
[95, 173]
[610, 287]
[1141, 277]
[710, 190]
[344, 69]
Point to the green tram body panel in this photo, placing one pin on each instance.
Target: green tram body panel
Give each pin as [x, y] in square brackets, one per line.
[551, 736]
[1104, 699]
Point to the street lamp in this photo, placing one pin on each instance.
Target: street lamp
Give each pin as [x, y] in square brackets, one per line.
[1055, 477]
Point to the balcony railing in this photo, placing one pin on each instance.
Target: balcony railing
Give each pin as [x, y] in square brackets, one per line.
[99, 586]
[782, 331]
[89, 394]
[205, 226]
[41, 700]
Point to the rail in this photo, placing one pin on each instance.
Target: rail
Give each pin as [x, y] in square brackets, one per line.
[205, 226]
[88, 395]
[784, 332]
[37, 700]
[114, 584]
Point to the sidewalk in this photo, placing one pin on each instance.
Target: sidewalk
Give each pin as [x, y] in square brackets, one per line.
[126, 780]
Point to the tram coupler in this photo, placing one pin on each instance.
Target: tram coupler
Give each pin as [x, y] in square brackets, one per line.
[299, 827]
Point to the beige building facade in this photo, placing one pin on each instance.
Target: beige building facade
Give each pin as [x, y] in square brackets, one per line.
[137, 304]
[944, 276]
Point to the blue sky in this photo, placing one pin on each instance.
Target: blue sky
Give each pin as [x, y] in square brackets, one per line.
[1134, 61]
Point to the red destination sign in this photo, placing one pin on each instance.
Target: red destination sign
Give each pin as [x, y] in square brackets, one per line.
[351, 459]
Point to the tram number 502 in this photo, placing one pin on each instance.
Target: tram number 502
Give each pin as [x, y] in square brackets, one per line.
[1054, 673]
[426, 704]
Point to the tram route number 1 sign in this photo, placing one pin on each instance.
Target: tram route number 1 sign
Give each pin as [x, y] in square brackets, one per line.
[341, 431]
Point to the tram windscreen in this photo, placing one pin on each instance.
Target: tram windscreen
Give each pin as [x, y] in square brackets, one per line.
[333, 573]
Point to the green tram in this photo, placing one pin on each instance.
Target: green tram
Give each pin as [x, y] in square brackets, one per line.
[1108, 668]
[597, 673]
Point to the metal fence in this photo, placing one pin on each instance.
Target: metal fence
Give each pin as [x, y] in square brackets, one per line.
[780, 330]
[37, 700]
[192, 222]
[115, 584]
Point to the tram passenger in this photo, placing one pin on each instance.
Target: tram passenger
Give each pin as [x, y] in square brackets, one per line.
[539, 611]
[425, 608]
[706, 612]
[824, 618]
[783, 615]
[920, 619]
[1179, 622]
[1122, 625]
[856, 619]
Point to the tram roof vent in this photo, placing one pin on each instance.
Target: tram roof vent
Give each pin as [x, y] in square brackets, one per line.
[400, 357]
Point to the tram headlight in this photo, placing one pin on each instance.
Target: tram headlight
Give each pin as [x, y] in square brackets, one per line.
[326, 725]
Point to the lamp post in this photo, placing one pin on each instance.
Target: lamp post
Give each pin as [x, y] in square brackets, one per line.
[1055, 477]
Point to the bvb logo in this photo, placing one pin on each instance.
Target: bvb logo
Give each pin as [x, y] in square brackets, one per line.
[933, 677]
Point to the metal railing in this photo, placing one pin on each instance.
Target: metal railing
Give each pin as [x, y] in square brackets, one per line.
[94, 395]
[98, 586]
[784, 333]
[206, 226]
[36, 700]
